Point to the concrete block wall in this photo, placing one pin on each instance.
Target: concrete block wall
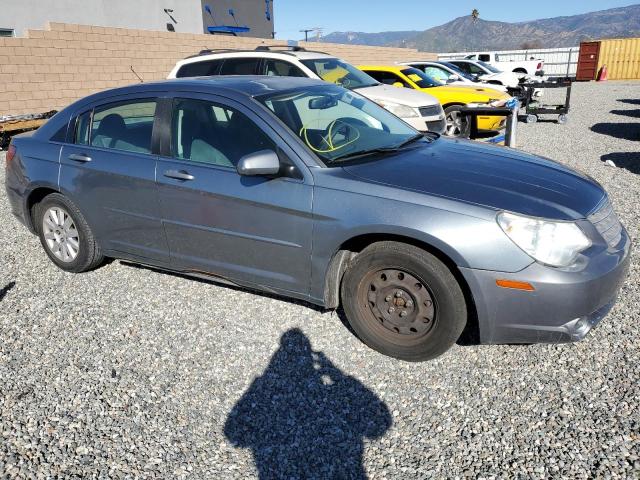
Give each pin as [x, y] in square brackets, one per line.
[50, 68]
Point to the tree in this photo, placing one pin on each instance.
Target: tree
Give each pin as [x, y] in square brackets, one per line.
[475, 14]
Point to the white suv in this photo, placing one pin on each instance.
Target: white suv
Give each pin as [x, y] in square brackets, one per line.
[422, 111]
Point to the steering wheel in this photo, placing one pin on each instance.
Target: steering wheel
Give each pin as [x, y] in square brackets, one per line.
[344, 82]
[337, 128]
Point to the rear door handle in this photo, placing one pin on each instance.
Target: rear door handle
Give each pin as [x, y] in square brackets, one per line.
[178, 175]
[80, 157]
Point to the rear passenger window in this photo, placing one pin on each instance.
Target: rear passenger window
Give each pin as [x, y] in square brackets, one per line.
[124, 126]
[199, 69]
[239, 66]
[81, 136]
[209, 133]
[280, 68]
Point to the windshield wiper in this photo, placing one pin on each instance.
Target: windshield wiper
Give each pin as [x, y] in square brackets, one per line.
[381, 150]
[362, 153]
[364, 86]
[415, 138]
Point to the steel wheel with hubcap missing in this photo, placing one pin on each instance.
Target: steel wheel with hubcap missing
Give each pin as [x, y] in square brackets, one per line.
[399, 301]
[403, 301]
[60, 234]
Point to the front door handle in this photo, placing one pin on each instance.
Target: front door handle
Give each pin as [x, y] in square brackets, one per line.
[80, 157]
[178, 175]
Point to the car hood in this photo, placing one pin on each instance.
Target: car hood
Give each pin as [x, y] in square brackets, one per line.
[508, 78]
[496, 177]
[467, 93]
[403, 96]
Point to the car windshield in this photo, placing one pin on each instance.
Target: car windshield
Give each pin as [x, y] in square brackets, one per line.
[457, 71]
[338, 125]
[489, 67]
[421, 79]
[334, 70]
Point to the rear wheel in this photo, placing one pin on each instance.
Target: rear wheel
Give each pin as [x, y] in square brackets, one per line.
[403, 301]
[458, 125]
[65, 235]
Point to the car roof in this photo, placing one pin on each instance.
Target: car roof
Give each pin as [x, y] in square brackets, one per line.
[384, 68]
[249, 85]
[284, 55]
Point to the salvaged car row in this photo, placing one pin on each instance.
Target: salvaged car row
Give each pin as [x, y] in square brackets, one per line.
[427, 95]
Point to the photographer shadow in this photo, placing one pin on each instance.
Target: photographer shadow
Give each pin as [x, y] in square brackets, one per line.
[304, 417]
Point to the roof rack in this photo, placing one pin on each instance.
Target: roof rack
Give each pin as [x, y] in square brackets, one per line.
[284, 49]
[209, 51]
[291, 48]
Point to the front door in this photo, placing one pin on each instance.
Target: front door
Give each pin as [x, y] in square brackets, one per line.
[249, 229]
[108, 169]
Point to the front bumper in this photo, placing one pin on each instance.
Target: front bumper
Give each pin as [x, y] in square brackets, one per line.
[435, 124]
[564, 307]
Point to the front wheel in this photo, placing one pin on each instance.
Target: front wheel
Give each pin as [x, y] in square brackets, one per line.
[65, 235]
[458, 125]
[403, 302]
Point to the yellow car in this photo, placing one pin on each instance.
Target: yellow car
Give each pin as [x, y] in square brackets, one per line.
[451, 97]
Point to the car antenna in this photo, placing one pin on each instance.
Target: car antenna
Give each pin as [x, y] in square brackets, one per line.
[136, 74]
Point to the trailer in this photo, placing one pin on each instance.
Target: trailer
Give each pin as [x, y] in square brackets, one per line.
[11, 125]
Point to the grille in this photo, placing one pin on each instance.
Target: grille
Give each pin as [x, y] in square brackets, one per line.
[430, 111]
[606, 222]
[437, 126]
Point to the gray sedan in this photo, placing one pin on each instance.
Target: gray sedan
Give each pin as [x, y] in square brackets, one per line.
[308, 190]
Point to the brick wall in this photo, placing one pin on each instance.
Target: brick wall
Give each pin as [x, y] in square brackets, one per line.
[51, 68]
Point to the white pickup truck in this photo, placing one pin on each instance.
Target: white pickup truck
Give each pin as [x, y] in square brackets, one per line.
[524, 67]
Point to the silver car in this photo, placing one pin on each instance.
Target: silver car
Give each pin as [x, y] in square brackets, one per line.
[311, 191]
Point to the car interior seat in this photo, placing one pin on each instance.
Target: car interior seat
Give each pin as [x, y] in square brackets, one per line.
[198, 135]
[110, 130]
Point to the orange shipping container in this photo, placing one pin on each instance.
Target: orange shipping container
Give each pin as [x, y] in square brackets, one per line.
[622, 58]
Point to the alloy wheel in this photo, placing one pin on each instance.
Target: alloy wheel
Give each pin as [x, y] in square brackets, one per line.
[60, 234]
[456, 124]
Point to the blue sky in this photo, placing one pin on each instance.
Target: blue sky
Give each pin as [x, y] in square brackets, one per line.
[381, 15]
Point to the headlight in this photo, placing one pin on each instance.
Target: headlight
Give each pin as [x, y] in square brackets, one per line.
[398, 110]
[549, 242]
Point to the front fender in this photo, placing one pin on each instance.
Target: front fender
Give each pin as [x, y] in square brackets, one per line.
[467, 240]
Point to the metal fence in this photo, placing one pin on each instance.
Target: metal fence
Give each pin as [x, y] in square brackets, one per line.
[558, 62]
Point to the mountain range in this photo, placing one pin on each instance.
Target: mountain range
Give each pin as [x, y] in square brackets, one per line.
[468, 34]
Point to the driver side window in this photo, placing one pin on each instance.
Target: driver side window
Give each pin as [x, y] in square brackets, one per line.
[209, 133]
[387, 78]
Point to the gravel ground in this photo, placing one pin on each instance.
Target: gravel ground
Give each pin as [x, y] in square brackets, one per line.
[128, 372]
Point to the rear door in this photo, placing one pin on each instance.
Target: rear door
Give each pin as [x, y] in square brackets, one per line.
[249, 229]
[108, 169]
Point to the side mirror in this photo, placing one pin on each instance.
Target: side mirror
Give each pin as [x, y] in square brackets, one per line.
[264, 162]
[398, 84]
[453, 78]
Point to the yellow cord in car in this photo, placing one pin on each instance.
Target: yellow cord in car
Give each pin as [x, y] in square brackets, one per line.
[329, 142]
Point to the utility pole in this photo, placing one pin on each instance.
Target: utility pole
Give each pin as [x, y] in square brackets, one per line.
[306, 33]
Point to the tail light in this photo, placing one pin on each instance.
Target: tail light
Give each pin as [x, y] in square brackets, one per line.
[11, 152]
[539, 66]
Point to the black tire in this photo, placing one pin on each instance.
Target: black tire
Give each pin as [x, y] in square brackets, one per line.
[386, 332]
[457, 126]
[89, 255]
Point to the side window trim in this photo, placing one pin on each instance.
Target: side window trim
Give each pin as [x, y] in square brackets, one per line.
[74, 131]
